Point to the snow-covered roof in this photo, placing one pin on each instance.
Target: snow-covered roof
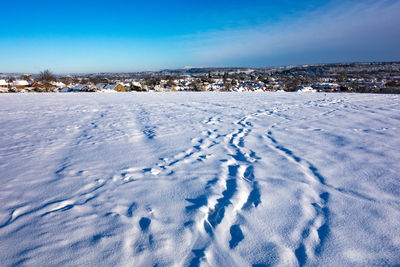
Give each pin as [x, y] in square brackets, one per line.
[20, 83]
[110, 86]
[328, 85]
[58, 84]
[78, 87]
[3, 82]
[136, 84]
[64, 89]
[100, 85]
[306, 89]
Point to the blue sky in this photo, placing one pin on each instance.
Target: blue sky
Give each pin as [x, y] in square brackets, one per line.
[123, 36]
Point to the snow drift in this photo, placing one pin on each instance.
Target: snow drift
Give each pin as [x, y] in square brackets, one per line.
[188, 179]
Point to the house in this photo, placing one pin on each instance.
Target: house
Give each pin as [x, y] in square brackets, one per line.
[306, 89]
[159, 88]
[78, 88]
[327, 87]
[64, 90]
[217, 86]
[3, 84]
[100, 86]
[136, 84]
[36, 85]
[257, 87]
[21, 84]
[114, 87]
[240, 88]
[58, 84]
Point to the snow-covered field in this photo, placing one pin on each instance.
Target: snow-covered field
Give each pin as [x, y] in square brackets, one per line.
[210, 179]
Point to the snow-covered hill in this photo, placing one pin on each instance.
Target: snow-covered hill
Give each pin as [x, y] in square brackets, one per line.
[192, 179]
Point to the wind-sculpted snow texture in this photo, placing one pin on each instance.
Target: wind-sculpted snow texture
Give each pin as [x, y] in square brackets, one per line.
[199, 179]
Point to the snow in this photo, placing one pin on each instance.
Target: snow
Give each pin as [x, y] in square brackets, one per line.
[216, 179]
[59, 84]
[20, 83]
[100, 85]
[110, 86]
[306, 89]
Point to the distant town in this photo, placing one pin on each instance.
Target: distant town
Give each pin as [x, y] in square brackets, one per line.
[376, 77]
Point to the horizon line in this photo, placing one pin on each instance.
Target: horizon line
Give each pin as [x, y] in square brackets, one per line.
[209, 67]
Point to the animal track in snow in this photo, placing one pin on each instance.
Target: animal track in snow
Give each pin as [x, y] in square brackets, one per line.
[166, 165]
[316, 230]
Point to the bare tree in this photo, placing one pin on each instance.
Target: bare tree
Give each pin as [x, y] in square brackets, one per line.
[171, 81]
[227, 86]
[292, 84]
[95, 79]
[26, 77]
[225, 77]
[196, 86]
[10, 79]
[66, 79]
[46, 76]
[342, 76]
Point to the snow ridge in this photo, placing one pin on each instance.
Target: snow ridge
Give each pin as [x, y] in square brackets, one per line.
[199, 179]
